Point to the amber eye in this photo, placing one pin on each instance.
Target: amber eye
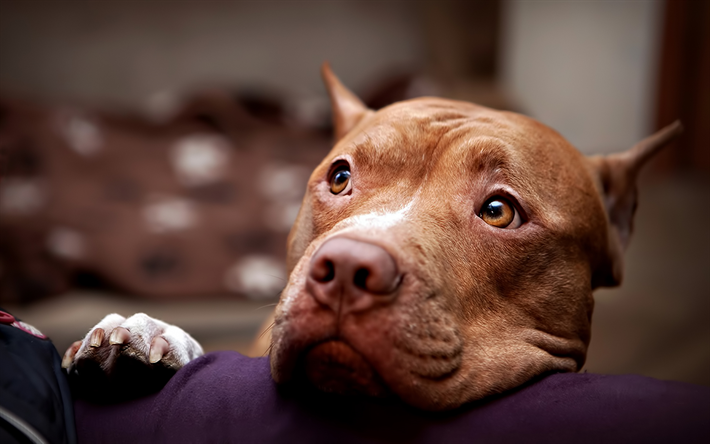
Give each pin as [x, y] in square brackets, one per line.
[339, 179]
[499, 212]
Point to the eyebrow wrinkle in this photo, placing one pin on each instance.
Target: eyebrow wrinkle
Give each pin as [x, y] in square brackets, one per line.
[362, 155]
[483, 158]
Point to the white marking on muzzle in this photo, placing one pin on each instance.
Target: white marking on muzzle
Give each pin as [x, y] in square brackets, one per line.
[380, 220]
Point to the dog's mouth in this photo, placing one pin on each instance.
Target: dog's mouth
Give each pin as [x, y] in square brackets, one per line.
[335, 366]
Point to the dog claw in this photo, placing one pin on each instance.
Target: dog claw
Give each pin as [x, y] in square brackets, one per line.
[119, 336]
[70, 353]
[97, 337]
[158, 349]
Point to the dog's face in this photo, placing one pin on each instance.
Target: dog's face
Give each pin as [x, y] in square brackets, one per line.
[444, 252]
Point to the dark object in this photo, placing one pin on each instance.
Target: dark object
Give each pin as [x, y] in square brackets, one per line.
[683, 85]
[226, 397]
[35, 403]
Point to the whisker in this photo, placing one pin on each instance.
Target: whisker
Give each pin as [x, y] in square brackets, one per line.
[268, 350]
[277, 296]
[267, 329]
[264, 306]
[271, 344]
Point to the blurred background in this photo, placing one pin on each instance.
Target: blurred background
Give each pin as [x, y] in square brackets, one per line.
[153, 153]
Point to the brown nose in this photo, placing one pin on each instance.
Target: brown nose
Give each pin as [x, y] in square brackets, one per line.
[348, 275]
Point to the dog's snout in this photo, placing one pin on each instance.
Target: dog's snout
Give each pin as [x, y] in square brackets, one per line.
[350, 275]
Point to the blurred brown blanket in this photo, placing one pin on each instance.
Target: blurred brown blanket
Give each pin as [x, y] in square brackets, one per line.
[199, 204]
[195, 201]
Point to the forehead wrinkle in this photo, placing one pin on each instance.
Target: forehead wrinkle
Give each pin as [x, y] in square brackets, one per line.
[402, 151]
[409, 124]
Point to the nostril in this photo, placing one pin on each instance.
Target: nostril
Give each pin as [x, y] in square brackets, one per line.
[324, 271]
[360, 279]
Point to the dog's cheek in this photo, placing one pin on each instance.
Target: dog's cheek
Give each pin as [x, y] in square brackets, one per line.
[537, 283]
[557, 296]
[543, 274]
[550, 294]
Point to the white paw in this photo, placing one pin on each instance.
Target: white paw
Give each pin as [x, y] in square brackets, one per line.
[123, 358]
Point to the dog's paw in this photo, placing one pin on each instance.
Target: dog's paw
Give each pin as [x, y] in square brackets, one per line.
[122, 358]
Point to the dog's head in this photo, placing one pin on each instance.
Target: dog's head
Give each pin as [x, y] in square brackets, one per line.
[445, 252]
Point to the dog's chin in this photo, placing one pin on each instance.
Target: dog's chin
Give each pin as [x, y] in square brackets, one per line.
[334, 366]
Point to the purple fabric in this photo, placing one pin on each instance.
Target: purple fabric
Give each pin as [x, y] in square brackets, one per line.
[226, 397]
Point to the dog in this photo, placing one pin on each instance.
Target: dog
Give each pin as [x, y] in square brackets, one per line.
[444, 252]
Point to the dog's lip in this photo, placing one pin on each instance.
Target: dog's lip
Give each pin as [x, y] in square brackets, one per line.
[336, 338]
[334, 365]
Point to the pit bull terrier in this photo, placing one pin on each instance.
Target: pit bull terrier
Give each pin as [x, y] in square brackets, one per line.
[444, 252]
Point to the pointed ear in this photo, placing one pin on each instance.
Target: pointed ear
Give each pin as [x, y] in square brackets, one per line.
[347, 109]
[618, 173]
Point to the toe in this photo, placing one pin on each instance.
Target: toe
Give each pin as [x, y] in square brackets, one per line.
[119, 336]
[97, 337]
[158, 348]
[70, 353]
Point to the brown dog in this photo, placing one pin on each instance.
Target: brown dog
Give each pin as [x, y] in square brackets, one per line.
[444, 252]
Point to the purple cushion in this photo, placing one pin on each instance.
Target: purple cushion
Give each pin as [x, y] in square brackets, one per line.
[227, 397]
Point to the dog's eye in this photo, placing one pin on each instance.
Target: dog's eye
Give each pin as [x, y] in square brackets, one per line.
[500, 213]
[339, 179]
